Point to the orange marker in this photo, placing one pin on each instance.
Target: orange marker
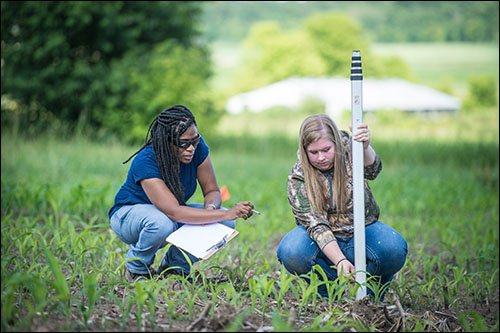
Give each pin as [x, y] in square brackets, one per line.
[225, 195]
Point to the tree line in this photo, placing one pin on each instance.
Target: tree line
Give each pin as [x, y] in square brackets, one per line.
[109, 65]
[113, 65]
[385, 21]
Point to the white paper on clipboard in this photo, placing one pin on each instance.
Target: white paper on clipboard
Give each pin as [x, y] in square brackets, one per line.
[202, 240]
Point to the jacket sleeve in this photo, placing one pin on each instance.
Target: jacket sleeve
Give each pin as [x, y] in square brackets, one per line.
[373, 170]
[316, 225]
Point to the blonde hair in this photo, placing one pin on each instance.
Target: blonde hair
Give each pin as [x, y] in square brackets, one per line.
[312, 129]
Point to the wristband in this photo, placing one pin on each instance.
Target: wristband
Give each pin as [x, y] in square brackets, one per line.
[340, 261]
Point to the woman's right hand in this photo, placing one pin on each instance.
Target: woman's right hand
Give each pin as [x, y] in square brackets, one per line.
[346, 268]
[242, 210]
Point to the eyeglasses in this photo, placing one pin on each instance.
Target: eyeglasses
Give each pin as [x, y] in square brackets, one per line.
[183, 144]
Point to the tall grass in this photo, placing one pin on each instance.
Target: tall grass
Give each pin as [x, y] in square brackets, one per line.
[62, 265]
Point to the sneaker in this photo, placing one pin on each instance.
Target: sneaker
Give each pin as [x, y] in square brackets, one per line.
[132, 277]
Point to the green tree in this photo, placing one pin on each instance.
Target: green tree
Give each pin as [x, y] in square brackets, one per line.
[157, 82]
[58, 57]
[483, 92]
[334, 36]
[323, 47]
[276, 55]
[385, 21]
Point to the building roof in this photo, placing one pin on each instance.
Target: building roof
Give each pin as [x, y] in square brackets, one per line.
[383, 94]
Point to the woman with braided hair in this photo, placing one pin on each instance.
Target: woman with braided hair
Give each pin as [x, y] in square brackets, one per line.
[152, 203]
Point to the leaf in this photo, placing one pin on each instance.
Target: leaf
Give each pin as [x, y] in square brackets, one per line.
[59, 283]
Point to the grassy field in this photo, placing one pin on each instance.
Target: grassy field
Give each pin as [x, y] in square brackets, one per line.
[456, 126]
[62, 265]
[438, 64]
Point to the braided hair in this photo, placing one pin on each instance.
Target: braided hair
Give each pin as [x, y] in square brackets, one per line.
[163, 133]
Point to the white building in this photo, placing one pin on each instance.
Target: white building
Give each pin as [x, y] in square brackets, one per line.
[383, 94]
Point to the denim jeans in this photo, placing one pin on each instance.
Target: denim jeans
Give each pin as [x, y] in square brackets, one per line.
[145, 229]
[386, 252]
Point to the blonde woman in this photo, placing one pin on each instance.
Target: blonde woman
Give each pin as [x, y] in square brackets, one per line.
[320, 195]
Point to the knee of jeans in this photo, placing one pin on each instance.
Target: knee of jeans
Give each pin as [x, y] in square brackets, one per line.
[229, 223]
[160, 229]
[293, 260]
[393, 260]
[399, 258]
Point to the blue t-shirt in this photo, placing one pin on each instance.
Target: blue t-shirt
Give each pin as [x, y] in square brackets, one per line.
[144, 166]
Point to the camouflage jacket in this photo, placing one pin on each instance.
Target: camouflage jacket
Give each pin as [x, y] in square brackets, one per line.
[323, 226]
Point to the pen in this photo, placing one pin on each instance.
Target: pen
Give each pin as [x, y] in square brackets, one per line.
[255, 211]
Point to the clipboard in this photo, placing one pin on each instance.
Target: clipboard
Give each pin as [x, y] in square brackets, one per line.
[202, 240]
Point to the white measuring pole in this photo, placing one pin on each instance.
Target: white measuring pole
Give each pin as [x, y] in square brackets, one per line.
[358, 175]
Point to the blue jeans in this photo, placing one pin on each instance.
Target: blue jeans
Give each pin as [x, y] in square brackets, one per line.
[145, 229]
[386, 252]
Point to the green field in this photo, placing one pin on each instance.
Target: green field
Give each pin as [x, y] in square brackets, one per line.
[435, 64]
[462, 125]
[62, 265]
